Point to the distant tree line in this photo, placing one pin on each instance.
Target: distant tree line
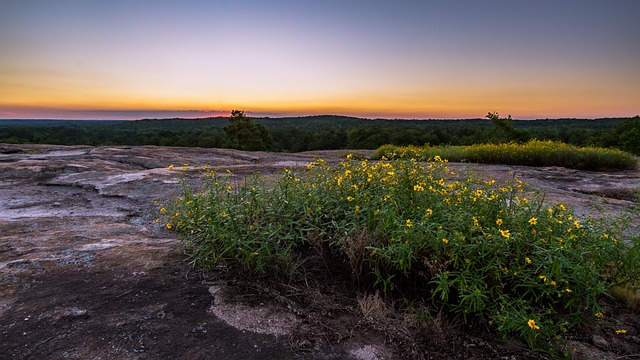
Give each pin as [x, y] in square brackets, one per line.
[322, 132]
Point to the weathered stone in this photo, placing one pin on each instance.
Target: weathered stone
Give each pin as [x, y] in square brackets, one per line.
[87, 272]
[599, 342]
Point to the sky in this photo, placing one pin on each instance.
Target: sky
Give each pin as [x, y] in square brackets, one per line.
[419, 59]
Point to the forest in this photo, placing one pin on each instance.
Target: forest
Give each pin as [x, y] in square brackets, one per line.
[322, 132]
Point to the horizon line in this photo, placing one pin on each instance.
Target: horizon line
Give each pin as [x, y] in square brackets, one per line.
[279, 116]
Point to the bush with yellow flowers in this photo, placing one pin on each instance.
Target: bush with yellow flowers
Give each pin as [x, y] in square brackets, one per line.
[532, 153]
[481, 250]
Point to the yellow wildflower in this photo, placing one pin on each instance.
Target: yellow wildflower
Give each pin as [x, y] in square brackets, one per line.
[567, 290]
[446, 241]
[499, 222]
[599, 315]
[532, 324]
[505, 233]
[409, 223]
[169, 226]
[350, 198]
[533, 221]
[429, 212]
[162, 210]
[621, 331]
[527, 260]
[544, 278]
[170, 167]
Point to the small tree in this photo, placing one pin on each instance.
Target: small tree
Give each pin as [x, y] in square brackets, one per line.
[504, 130]
[244, 134]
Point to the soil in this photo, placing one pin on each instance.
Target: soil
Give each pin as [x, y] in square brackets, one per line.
[87, 273]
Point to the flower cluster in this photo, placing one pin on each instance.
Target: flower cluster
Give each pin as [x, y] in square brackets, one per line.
[475, 247]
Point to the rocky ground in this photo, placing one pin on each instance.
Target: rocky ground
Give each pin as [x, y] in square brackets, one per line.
[87, 273]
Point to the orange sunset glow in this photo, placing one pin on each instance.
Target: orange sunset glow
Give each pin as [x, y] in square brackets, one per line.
[419, 59]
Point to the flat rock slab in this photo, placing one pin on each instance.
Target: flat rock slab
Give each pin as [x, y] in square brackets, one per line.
[87, 273]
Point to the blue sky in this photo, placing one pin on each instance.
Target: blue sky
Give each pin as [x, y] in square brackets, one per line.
[405, 59]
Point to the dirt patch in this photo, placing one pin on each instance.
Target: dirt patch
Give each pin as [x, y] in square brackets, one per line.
[87, 273]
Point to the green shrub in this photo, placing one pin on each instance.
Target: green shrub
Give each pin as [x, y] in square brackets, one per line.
[532, 153]
[477, 249]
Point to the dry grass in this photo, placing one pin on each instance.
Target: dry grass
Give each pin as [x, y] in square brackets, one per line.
[630, 296]
[355, 248]
[373, 307]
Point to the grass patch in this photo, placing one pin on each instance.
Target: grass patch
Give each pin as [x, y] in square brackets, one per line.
[532, 153]
[373, 306]
[629, 294]
[476, 250]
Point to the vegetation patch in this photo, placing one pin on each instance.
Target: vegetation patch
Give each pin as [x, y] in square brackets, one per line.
[476, 250]
[322, 132]
[531, 153]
